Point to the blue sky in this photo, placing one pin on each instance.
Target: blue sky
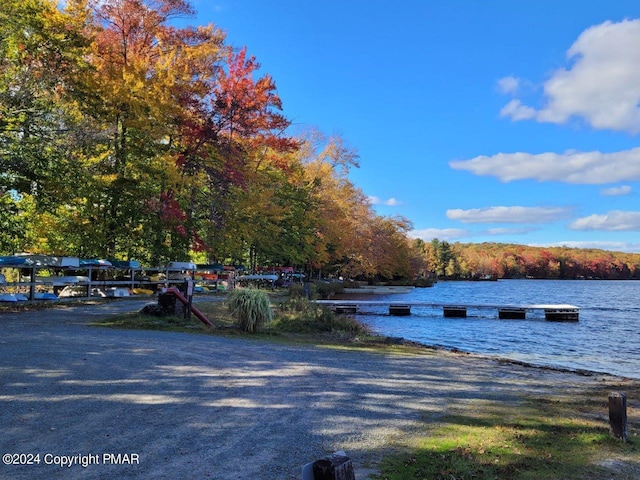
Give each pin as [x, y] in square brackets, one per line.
[479, 121]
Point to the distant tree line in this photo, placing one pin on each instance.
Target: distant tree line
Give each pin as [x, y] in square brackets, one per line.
[498, 260]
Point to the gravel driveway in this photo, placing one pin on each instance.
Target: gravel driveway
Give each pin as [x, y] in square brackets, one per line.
[154, 405]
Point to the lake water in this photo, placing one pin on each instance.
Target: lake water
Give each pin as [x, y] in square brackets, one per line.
[606, 339]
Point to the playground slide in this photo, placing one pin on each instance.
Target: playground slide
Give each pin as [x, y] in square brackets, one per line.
[178, 294]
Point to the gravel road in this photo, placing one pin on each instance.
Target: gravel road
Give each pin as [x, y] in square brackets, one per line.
[193, 406]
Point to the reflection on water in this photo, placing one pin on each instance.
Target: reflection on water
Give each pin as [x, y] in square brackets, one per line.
[606, 339]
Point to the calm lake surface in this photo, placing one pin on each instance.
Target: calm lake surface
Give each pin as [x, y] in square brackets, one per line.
[606, 339]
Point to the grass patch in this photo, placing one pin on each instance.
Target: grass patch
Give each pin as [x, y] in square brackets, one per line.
[138, 321]
[38, 305]
[295, 320]
[299, 315]
[538, 439]
[291, 315]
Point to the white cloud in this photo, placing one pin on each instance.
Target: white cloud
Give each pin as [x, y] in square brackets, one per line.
[517, 111]
[616, 191]
[570, 167]
[508, 85]
[615, 220]
[602, 86]
[508, 214]
[391, 202]
[428, 234]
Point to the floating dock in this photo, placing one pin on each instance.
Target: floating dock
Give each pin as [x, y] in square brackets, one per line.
[558, 313]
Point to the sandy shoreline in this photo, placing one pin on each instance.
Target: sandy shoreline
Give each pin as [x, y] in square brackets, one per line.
[213, 407]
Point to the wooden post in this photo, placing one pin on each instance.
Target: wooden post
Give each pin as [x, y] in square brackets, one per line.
[32, 283]
[188, 292]
[336, 467]
[618, 415]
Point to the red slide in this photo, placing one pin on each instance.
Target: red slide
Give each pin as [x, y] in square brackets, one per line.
[178, 294]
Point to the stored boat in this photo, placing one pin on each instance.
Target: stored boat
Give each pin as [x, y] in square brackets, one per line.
[33, 260]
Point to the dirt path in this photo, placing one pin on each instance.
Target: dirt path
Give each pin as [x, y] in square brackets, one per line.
[192, 406]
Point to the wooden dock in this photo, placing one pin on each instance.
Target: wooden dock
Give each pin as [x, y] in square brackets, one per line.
[559, 313]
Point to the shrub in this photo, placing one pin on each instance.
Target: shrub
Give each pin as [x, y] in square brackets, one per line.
[316, 289]
[299, 315]
[297, 290]
[250, 307]
[324, 289]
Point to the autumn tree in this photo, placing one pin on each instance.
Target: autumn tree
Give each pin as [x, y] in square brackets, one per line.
[149, 77]
[13, 224]
[341, 210]
[390, 248]
[439, 255]
[242, 131]
[42, 72]
[45, 94]
[418, 259]
[348, 238]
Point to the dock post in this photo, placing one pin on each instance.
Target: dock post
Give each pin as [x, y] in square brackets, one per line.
[512, 313]
[561, 314]
[346, 309]
[399, 310]
[458, 312]
[618, 415]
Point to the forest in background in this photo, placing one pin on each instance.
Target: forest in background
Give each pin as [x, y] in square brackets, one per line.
[125, 137]
[473, 261]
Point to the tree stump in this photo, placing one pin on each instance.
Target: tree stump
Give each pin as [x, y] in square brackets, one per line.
[167, 302]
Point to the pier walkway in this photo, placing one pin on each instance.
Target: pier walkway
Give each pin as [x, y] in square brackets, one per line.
[552, 312]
